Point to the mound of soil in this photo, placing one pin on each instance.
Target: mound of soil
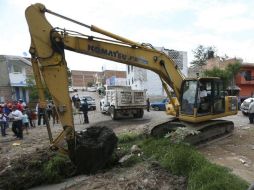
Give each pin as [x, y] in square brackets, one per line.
[93, 149]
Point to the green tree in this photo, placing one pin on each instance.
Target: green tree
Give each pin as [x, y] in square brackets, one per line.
[233, 69]
[33, 91]
[227, 75]
[201, 55]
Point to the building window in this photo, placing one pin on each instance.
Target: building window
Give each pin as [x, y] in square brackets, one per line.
[128, 69]
[132, 81]
[247, 75]
[17, 69]
[132, 68]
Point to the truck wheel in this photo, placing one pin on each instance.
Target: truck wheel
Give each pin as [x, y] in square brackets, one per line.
[244, 113]
[113, 113]
[141, 113]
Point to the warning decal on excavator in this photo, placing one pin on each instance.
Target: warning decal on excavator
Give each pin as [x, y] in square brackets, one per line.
[116, 54]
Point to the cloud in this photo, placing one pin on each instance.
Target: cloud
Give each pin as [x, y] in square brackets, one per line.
[225, 17]
[227, 25]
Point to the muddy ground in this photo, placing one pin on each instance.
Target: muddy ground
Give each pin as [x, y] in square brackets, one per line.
[235, 152]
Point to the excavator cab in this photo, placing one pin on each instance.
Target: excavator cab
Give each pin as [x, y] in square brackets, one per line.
[202, 96]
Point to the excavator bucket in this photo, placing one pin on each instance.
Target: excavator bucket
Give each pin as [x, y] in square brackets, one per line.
[92, 149]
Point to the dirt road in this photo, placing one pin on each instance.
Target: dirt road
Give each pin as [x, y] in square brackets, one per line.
[237, 151]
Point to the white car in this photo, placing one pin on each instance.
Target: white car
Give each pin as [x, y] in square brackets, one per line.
[245, 106]
[71, 89]
[92, 89]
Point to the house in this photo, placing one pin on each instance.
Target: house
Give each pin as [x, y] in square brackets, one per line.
[14, 72]
[110, 77]
[246, 86]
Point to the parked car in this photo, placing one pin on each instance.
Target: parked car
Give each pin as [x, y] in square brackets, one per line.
[92, 89]
[71, 89]
[160, 105]
[245, 106]
[90, 101]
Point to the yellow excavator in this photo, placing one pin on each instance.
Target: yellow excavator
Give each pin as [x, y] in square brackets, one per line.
[197, 102]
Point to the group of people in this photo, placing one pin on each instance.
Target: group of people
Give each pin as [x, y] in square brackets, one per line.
[22, 117]
[18, 113]
[50, 111]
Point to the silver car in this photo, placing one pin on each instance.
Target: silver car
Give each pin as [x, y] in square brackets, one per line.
[90, 101]
[245, 106]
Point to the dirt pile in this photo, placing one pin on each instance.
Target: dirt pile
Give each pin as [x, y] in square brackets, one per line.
[93, 149]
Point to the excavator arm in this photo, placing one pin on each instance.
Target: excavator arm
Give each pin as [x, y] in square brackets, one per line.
[50, 67]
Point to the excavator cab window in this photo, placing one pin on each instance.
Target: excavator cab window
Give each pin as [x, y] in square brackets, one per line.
[204, 97]
[210, 97]
[218, 97]
[189, 90]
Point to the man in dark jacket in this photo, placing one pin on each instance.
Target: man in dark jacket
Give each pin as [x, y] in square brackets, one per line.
[84, 109]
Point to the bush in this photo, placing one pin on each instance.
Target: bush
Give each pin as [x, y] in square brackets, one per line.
[57, 169]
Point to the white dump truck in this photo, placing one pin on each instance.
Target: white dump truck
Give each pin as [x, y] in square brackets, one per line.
[122, 101]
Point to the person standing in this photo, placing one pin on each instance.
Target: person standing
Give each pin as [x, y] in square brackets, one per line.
[25, 121]
[84, 109]
[29, 114]
[7, 110]
[3, 123]
[33, 117]
[148, 104]
[49, 110]
[251, 111]
[41, 114]
[54, 114]
[17, 116]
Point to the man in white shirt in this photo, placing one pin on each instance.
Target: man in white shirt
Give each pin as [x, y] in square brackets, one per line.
[202, 93]
[251, 111]
[17, 117]
[204, 105]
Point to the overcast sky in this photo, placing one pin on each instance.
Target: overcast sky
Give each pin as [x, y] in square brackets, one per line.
[181, 24]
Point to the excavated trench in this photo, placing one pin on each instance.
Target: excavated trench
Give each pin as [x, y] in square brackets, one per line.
[92, 151]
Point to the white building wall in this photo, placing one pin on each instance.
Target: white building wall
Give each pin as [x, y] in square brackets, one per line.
[145, 79]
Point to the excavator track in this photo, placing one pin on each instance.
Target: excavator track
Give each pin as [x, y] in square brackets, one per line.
[209, 131]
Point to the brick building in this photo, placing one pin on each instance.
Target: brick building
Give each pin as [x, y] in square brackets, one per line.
[82, 78]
